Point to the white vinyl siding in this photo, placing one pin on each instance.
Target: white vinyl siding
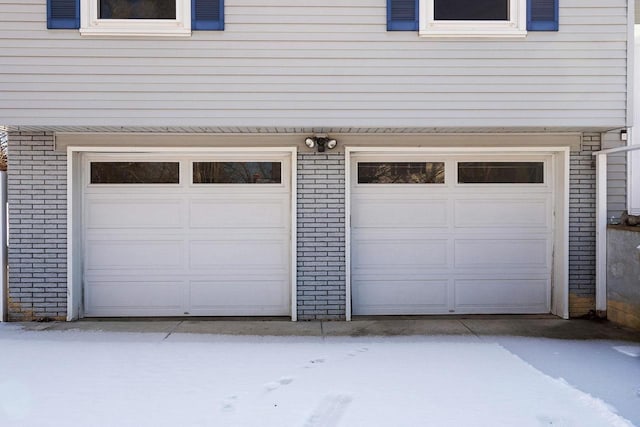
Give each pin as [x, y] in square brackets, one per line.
[297, 63]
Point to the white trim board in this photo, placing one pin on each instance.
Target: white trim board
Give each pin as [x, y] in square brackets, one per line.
[560, 272]
[74, 241]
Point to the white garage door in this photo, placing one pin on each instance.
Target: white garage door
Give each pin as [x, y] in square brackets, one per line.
[451, 234]
[186, 235]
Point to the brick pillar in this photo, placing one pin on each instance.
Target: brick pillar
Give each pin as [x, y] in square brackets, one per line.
[37, 180]
[582, 227]
[321, 245]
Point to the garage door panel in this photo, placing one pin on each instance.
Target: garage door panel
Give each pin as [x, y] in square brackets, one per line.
[399, 297]
[229, 213]
[244, 255]
[134, 254]
[400, 214]
[501, 253]
[503, 213]
[182, 248]
[135, 297]
[488, 245]
[119, 213]
[230, 295]
[390, 254]
[501, 293]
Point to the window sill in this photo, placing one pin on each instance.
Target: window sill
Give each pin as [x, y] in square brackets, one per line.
[136, 28]
[111, 33]
[473, 34]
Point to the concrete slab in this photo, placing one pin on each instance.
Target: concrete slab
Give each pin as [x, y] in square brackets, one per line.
[576, 329]
[244, 327]
[134, 326]
[460, 326]
[399, 327]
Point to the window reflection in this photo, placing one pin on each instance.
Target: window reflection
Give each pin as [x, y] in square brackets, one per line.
[401, 173]
[135, 173]
[500, 172]
[237, 173]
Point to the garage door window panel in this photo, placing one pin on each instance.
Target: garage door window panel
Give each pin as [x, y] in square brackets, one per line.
[501, 173]
[237, 173]
[135, 173]
[401, 173]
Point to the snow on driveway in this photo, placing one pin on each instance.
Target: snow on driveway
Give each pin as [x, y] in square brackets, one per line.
[99, 379]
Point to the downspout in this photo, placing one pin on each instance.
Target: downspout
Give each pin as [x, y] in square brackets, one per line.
[601, 223]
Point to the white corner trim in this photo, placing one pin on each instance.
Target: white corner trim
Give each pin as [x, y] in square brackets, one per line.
[562, 236]
[347, 231]
[72, 312]
[294, 233]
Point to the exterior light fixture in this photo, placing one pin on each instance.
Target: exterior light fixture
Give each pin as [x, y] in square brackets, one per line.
[323, 142]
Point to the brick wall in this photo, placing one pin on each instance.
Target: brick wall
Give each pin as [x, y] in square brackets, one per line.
[321, 254]
[582, 227]
[37, 228]
[37, 253]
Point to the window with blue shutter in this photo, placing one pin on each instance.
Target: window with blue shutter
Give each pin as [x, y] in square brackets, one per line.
[542, 15]
[63, 14]
[402, 15]
[207, 15]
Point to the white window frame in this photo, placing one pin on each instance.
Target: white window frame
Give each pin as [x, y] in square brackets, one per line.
[516, 26]
[91, 25]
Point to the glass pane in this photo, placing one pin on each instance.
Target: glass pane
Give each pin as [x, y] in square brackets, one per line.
[135, 173]
[137, 9]
[501, 172]
[401, 173]
[471, 10]
[237, 173]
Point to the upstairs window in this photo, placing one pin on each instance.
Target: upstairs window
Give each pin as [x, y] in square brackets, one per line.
[147, 18]
[136, 17]
[473, 18]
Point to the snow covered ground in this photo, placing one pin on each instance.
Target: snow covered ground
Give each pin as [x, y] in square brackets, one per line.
[94, 379]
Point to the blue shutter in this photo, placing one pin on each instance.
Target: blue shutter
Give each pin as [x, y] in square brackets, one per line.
[207, 15]
[63, 14]
[542, 15]
[402, 15]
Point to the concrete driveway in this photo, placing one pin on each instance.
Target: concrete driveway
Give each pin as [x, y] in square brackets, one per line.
[517, 326]
[593, 357]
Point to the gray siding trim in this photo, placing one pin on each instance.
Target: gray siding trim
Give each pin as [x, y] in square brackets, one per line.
[273, 66]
